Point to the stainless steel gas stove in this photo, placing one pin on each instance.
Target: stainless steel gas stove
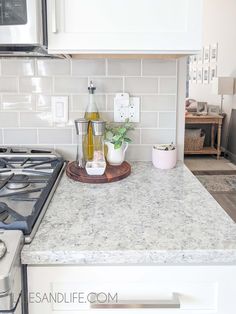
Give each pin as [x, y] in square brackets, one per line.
[11, 243]
[28, 179]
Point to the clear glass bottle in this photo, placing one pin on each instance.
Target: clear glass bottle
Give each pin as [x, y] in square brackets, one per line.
[81, 126]
[98, 129]
[91, 113]
[98, 164]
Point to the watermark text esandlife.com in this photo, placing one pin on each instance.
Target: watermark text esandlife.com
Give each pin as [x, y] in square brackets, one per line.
[73, 297]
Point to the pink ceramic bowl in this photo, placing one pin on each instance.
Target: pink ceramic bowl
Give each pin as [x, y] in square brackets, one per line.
[164, 159]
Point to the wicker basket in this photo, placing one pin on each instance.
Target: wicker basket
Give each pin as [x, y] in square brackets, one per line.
[194, 141]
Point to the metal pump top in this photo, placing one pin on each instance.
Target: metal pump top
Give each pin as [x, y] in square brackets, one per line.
[91, 88]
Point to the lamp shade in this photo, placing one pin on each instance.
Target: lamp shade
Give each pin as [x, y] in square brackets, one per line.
[223, 86]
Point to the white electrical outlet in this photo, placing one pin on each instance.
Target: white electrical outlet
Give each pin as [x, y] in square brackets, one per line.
[121, 107]
[134, 110]
[126, 107]
[60, 109]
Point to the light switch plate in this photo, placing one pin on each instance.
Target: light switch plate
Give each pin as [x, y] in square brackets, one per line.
[60, 109]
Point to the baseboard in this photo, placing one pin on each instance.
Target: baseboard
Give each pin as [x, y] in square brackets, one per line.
[231, 156]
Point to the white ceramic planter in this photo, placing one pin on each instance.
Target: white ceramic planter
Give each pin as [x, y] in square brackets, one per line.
[115, 157]
[164, 159]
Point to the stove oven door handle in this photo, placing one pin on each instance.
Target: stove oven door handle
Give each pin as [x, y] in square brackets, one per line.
[174, 303]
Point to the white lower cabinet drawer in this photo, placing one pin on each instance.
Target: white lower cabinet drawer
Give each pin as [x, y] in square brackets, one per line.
[132, 289]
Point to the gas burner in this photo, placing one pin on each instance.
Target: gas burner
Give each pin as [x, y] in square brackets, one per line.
[3, 249]
[20, 181]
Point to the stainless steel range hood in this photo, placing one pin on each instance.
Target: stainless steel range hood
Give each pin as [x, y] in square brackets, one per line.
[23, 28]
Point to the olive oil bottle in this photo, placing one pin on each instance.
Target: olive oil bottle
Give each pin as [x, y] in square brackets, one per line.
[91, 113]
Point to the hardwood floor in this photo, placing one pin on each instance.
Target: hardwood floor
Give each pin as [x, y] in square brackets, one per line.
[216, 176]
[227, 200]
[213, 172]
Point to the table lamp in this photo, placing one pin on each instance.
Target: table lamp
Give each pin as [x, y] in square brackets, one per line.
[223, 86]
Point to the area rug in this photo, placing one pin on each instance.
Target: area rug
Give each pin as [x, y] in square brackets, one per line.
[222, 186]
[218, 183]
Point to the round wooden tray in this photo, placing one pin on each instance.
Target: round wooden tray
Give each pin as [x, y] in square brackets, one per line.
[112, 173]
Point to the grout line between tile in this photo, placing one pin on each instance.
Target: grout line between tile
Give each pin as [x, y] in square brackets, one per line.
[71, 67]
[106, 67]
[158, 119]
[37, 135]
[19, 119]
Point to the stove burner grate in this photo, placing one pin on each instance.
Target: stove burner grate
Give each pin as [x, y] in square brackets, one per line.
[20, 181]
[3, 249]
[3, 214]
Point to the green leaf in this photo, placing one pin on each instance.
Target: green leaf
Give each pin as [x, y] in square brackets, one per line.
[117, 137]
[127, 139]
[116, 133]
[122, 130]
[118, 144]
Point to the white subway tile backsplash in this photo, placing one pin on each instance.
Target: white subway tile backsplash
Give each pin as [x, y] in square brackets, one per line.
[70, 85]
[9, 119]
[73, 116]
[110, 102]
[141, 85]
[88, 67]
[167, 120]
[80, 102]
[134, 135]
[155, 67]
[107, 116]
[157, 136]
[108, 85]
[43, 103]
[20, 136]
[148, 120]
[168, 86]
[124, 67]
[139, 152]
[1, 137]
[47, 67]
[55, 136]
[158, 103]
[35, 85]
[68, 151]
[27, 85]
[18, 102]
[21, 67]
[8, 85]
[35, 119]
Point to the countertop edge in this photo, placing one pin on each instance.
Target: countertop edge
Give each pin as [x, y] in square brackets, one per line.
[191, 257]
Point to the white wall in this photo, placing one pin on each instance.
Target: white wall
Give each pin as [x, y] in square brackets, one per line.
[219, 26]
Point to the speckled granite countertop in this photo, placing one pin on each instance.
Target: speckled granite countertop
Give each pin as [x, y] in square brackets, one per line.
[151, 217]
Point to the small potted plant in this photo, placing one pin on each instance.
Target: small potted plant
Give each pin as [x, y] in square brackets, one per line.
[117, 141]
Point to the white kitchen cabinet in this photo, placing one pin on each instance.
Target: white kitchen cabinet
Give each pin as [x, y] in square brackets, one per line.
[124, 26]
[199, 289]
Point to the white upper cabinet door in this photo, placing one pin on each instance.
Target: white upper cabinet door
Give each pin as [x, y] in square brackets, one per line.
[124, 26]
